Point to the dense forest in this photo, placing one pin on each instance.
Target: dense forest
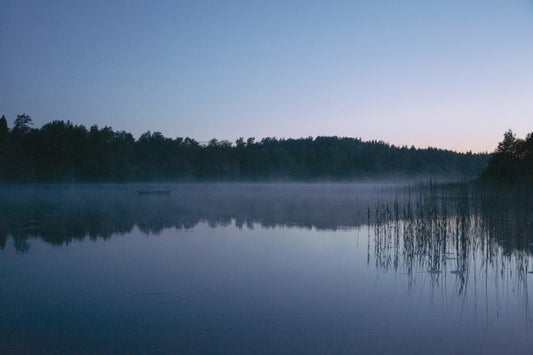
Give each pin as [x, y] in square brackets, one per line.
[512, 162]
[60, 151]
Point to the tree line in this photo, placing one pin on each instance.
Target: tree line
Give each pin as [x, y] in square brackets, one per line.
[61, 151]
[512, 161]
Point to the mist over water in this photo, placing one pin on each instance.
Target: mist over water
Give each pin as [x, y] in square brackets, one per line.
[265, 268]
[66, 212]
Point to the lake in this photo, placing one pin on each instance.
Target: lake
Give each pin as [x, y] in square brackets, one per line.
[265, 268]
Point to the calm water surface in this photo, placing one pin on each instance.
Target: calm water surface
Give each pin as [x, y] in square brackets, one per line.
[273, 268]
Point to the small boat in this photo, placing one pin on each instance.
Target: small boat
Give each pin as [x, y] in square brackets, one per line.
[153, 192]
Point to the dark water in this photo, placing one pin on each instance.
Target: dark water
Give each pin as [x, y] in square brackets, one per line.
[273, 268]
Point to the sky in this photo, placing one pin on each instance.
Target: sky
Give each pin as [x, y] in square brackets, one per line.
[448, 74]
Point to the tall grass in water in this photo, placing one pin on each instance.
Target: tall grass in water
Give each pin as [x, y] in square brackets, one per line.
[460, 233]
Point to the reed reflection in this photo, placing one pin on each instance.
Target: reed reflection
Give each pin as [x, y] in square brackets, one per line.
[475, 240]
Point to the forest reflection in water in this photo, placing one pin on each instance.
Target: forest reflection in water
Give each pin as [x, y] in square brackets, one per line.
[60, 214]
[464, 242]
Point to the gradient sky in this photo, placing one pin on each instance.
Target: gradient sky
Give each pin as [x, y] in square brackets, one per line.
[450, 74]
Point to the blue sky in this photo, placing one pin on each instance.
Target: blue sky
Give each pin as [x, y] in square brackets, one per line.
[450, 74]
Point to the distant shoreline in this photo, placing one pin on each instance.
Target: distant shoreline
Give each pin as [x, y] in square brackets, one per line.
[60, 151]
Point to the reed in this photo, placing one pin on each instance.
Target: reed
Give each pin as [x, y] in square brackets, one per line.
[455, 231]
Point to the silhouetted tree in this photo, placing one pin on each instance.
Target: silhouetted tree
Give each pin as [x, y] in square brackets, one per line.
[512, 161]
[22, 124]
[4, 134]
[4, 130]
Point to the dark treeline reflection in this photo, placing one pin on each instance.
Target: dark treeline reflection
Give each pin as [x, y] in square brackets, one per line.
[429, 216]
[59, 214]
[63, 152]
[476, 240]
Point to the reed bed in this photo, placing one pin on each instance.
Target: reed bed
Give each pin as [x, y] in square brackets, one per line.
[463, 233]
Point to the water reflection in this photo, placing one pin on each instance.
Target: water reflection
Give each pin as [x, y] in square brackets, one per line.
[479, 241]
[59, 215]
[315, 283]
[433, 221]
